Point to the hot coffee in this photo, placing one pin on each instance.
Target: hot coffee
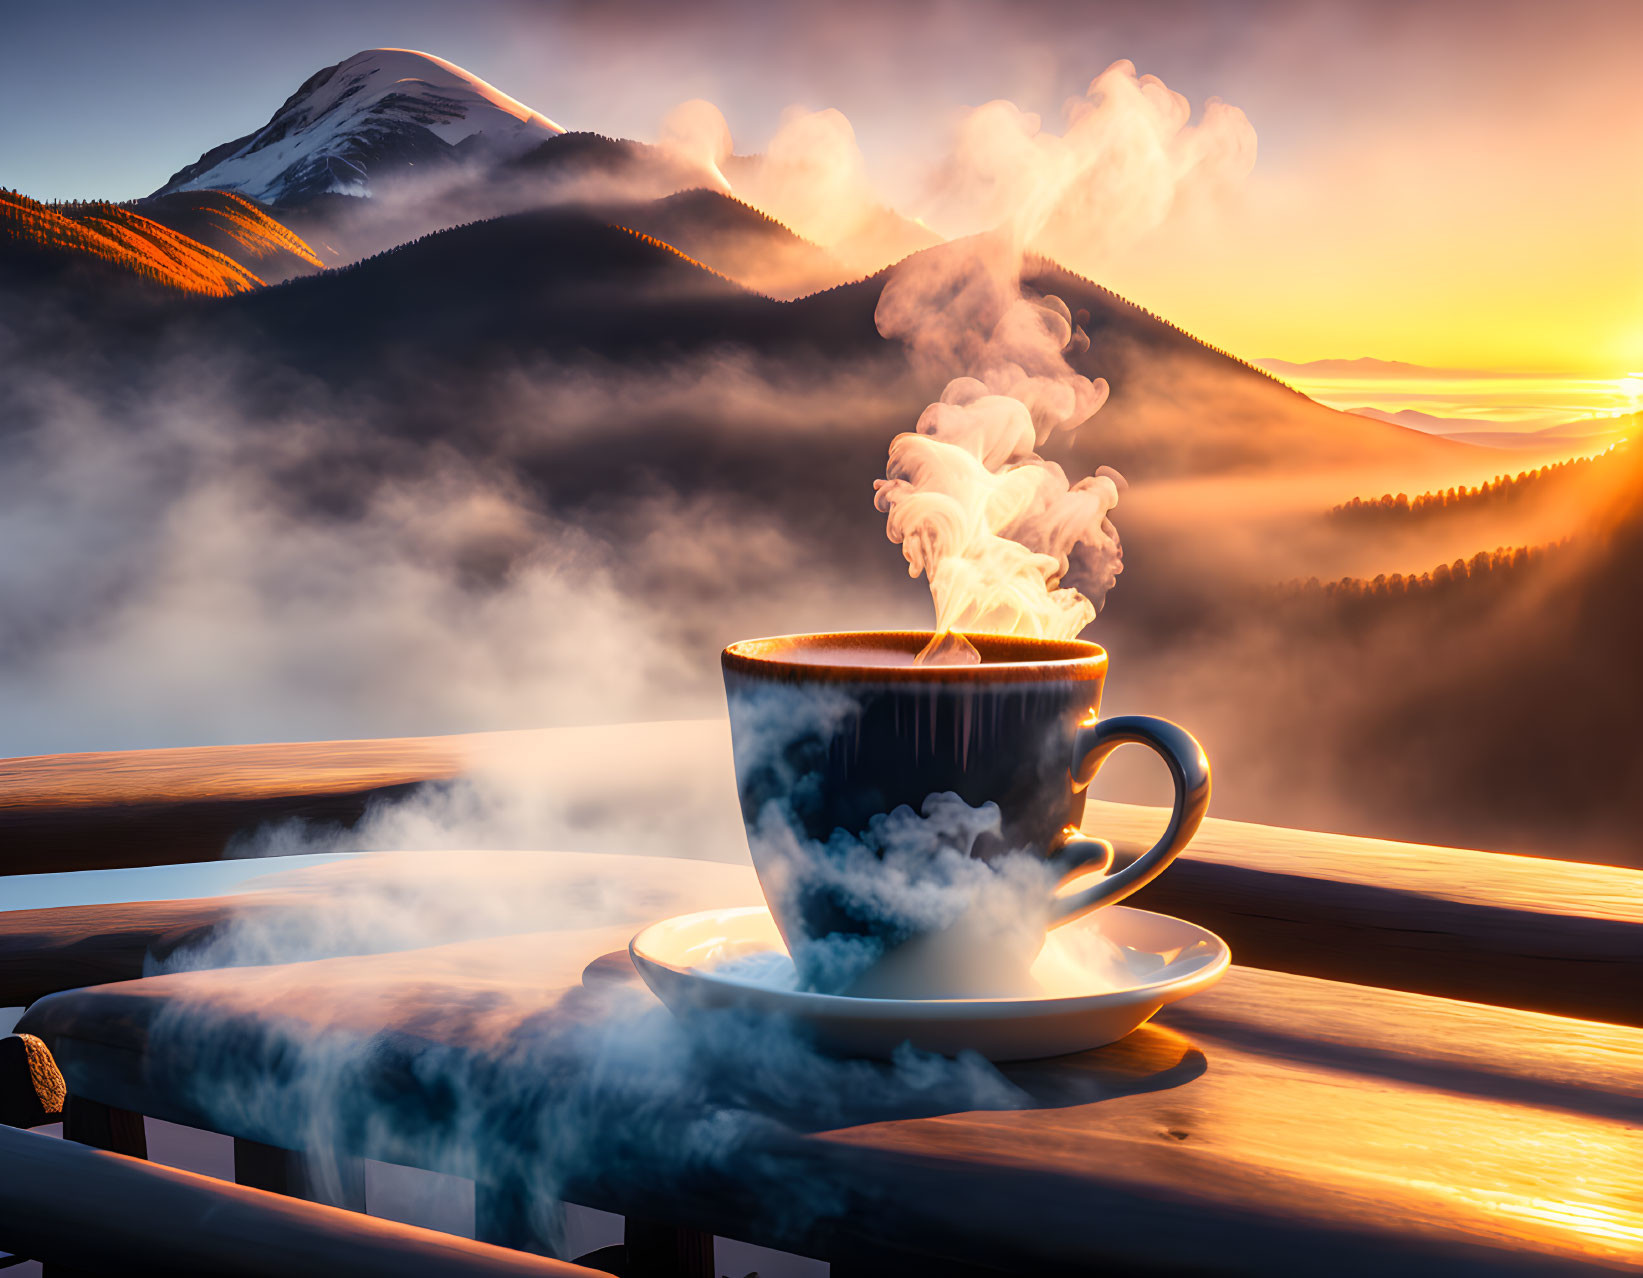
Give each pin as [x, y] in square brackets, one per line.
[910, 823]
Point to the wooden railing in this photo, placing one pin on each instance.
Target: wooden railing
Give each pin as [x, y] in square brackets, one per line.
[92, 1211]
[1539, 934]
[1517, 932]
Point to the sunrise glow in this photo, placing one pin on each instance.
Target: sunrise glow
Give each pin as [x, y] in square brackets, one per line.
[726, 639]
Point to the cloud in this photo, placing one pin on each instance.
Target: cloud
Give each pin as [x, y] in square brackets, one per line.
[812, 176]
[696, 132]
[992, 525]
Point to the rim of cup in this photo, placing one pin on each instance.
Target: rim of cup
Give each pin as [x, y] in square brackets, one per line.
[1004, 658]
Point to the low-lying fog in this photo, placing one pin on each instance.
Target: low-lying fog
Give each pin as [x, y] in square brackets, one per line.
[185, 559]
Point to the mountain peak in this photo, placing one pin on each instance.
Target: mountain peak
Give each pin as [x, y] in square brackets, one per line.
[374, 114]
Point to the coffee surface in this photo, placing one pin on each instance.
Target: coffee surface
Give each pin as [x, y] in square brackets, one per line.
[865, 657]
[847, 657]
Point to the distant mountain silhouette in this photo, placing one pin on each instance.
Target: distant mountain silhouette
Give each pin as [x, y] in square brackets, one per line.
[1363, 366]
[557, 282]
[392, 144]
[1583, 435]
[582, 170]
[564, 282]
[1412, 417]
[737, 240]
[1586, 435]
[569, 282]
[572, 157]
[1181, 406]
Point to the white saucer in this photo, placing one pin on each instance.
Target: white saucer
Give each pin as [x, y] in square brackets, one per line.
[1100, 977]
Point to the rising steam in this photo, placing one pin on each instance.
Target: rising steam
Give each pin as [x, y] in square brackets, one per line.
[1128, 158]
[990, 523]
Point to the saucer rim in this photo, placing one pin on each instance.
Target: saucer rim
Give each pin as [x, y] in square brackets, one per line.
[1166, 991]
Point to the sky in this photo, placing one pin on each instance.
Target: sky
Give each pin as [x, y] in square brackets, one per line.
[1457, 185]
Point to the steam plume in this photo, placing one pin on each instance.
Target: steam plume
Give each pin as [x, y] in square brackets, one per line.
[990, 523]
[1127, 159]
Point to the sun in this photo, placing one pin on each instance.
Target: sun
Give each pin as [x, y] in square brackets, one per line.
[1629, 390]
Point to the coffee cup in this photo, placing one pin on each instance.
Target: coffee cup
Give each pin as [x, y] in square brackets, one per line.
[915, 827]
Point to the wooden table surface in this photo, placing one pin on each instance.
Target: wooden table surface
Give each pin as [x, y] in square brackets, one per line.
[1276, 1123]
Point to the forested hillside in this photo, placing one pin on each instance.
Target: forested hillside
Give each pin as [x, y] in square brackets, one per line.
[92, 239]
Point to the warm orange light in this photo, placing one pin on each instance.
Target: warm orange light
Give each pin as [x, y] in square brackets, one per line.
[1591, 1219]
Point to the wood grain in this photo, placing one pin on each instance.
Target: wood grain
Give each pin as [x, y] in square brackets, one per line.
[42, 951]
[1465, 877]
[1543, 935]
[135, 778]
[154, 807]
[157, 807]
[1276, 1123]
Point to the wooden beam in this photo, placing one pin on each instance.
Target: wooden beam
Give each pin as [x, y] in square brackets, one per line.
[653, 1250]
[150, 1219]
[99, 838]
[1544, 935]
[469, 893]
[242, 773]
[336, 1181]
[1518, 931]
[43, 951]
[90, 1122]
[151, 807]
[156, 807]
[1484, 927]
[1271, 1124]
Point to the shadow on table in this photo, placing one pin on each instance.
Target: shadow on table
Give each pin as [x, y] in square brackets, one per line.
[1151, 1059]
[1504, 1078]
[917, 1085]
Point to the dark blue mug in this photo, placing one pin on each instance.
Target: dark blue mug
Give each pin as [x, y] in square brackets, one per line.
[911, 824]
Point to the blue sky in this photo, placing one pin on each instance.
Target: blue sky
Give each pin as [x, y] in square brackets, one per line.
[109, 99]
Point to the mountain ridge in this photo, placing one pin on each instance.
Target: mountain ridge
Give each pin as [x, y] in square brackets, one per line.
[378, 109]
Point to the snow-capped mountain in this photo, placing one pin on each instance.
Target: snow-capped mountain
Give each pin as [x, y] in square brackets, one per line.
[377, 113]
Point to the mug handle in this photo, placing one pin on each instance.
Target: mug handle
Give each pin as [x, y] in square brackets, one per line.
[1189, 769]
